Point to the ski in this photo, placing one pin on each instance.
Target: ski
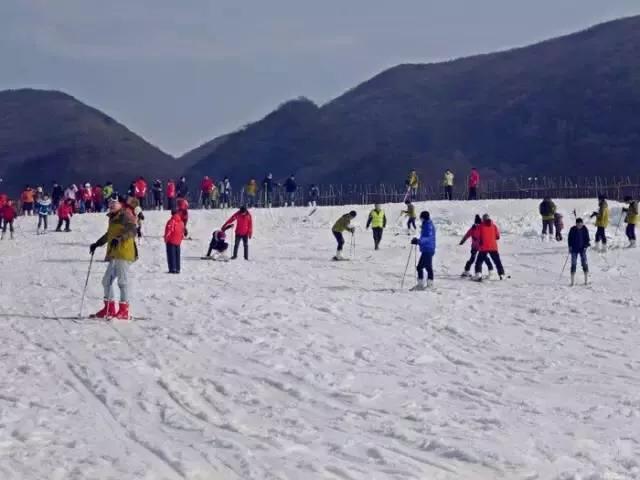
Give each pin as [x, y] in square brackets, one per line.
[313, 211]
[212, 259]
[336, 259]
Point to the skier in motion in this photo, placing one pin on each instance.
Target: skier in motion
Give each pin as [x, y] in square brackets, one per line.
[121, 253]
[410, 213]
[427, 243]
[378, 222]
[343, 224]
[489, 235]
[602, 222]
[579, 241]
[474, 234]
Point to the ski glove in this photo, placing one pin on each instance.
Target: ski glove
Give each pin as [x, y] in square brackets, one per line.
[415, 241]
[114, 243]
[92, 248]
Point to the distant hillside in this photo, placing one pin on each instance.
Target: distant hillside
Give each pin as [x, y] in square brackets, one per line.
[565, 106]
[48, 135]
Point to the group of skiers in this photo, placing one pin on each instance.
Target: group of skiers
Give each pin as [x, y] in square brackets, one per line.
[412, 184]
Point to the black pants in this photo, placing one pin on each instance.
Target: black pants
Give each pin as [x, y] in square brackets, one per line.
[171, 203]
[157, 201]
[206, 199]
[448, 193]
[601, 235]
[411, 223]
[42, 219]
[66, 225]
[547, 225]
[472, 259]
[425, 263]
[173, 258]
[7, 224]
[245, 244]
[583, 260]
[339, 239]
[631, 231]
[473, 193]
[377, 236]
[495, 256]
[217, 246]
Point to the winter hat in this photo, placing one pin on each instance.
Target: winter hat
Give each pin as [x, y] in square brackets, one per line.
[221, 235]
[486, 217]
[243, 209]
[353, 213]
[579, 220]
[425, 216]
[477, 220]
[407, 202]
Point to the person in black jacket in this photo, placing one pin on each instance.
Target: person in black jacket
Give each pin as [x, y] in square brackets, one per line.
[57, 192]
[579, 241]
[182, 188]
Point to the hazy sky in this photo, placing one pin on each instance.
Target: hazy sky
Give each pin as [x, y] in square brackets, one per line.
[180, 72]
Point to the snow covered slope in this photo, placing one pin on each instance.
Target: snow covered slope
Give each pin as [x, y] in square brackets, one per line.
[291, 366]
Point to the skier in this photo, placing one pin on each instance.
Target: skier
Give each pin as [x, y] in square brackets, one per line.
[558, 223]
[98, 198]
[244, 230]
[65, 212]
[547, 211]
[121, 253]
[171, 195]
[447, 182]
[251, 190]
[579, 241]
[8, 214]
[488, 243]
[291, 187]
[57, 193]
[226, 193]
[343, 223]
[602, 222]
[218, 244]
[378, 222]
[182, 189]
[631, 220]
[410, 213]
[267, 185]
[27, 197]
[412, 184]
[107, 192]
[474, 182]
[182, 206]
[427, 242]
[43, 208]
[206, 186]
[173, 236]
[4, 199]
[314, 194]
[156, 190]
[474, 234]
[141, 192]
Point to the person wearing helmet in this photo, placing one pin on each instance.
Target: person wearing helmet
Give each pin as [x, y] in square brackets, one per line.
[378, 222]
[343, 224]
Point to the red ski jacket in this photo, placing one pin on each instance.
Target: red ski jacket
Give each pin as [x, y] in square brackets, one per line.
[206, 185]
[474, 179]
[171, 190]
[174, 230]
[8, 213]
[244, 223]
[3, 199]
[489, 236]
[141, 188]
[65, 211]
[474, 234]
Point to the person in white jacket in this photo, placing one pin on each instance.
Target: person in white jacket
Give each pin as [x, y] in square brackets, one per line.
[447, 182]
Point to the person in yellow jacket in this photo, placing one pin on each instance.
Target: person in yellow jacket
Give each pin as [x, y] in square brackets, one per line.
[602, 222]
[251, 190]
[343, 224]
[410, 213]
[121, 253]
[631, 219]
[378, 222]
[413, 182]
[447, 183]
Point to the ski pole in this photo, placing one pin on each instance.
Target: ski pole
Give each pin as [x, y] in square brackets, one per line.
[86, 283]
[406, 268]
[566, 260]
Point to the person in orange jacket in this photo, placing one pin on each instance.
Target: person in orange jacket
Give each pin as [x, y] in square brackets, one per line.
[488, 234]
[27, 198]
[244, 230]
[173, 236]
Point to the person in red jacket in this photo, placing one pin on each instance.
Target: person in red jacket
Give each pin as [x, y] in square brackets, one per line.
[65, 212]
[98, 199]
[171, 195]
[173, 236]
[182, 206]
[488, 245]
[206, 187]
[244, 230]
[8, 214]
[474, 234]
[140, 191]
[474, 181]
[3, 201]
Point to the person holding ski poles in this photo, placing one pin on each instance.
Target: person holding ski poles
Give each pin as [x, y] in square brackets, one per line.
[121, 253]
[631, 220]
[489, 235]
[579, 241]
[342, 224]
[427, 243]
[244, 230]
[474, 234]
[602, 222]
[378, 222]
[410, 213]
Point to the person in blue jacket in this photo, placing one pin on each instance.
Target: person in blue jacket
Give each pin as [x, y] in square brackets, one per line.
[43, 209]
[579, 241]
[427, 243]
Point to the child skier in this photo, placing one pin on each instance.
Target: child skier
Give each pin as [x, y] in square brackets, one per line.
[474, 234]
[427, 242]
[558, 223]
[631, 220]
[602, 222]
[547, 211]
[43, 208]
[183, 208]
[244, 230]
[579, 241]
[8, 214]
[343, 224]
[410, 213]
[378, 222]
[173, 236]
[488, 243]
[218, 244]
[121, 253]
[65, 212]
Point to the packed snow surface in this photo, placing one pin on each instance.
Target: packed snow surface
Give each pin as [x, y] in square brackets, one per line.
[291, 366]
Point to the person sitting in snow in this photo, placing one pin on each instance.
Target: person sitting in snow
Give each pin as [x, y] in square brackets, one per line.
[218, 244]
